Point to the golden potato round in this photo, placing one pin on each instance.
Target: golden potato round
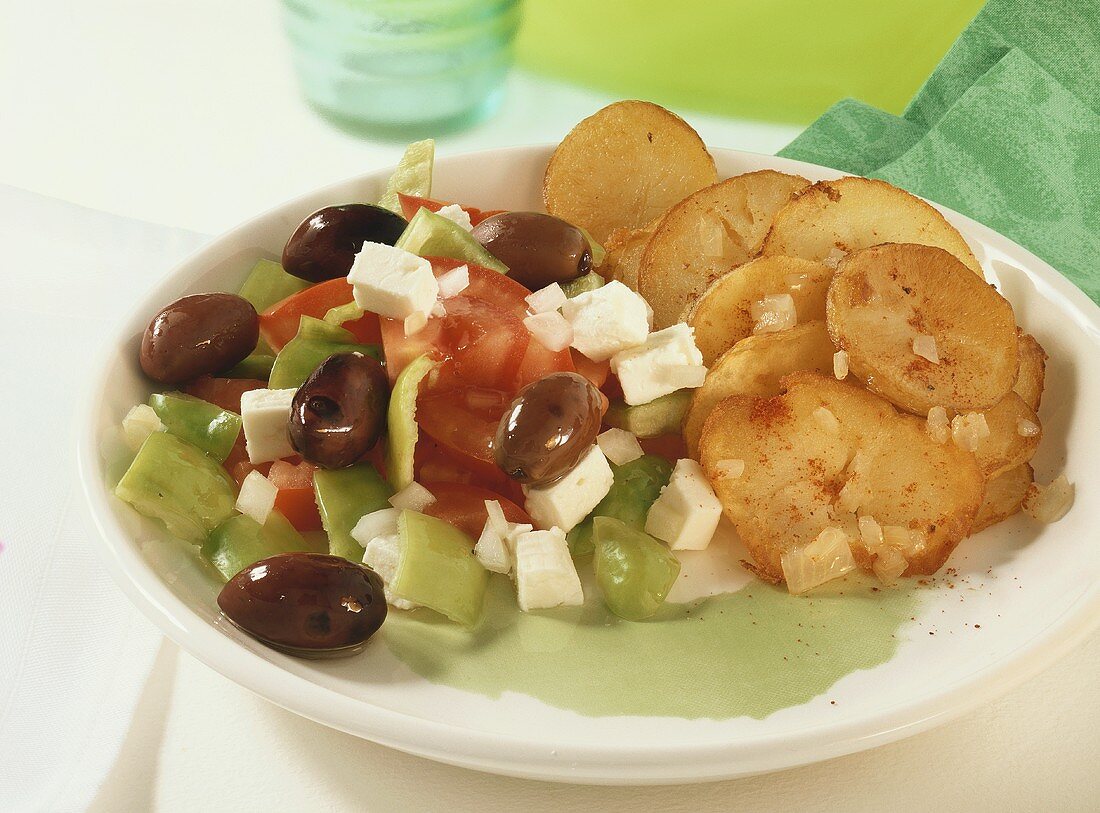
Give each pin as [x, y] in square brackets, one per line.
[624, 253]
[884, 298]
[833, 218]
[1004, 496]
[807, 451]
[623, 166]
[722, 315]
[1032, 375]
[1005, 447]
[706, 235]
[755, 366]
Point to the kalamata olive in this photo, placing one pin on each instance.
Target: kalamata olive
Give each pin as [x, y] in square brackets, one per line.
[538, 249]
[547, 428]
[306, 604]
[198, 335]
[339, 412]
[325, 244]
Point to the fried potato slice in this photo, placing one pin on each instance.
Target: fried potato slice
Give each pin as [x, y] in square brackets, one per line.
[624, 253]
[833, 218]
[722, 315]
[1032, 375]
[1004, 496]
[807, 469]
[755, 366]
[1005, 447]
[883, 298]
[623, 166]
[706, 235]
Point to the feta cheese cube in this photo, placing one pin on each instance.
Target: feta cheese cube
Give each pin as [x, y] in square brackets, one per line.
[607, 320]
[392, 282]
[686, 513]
[496, 551]
[140, 422]
[264, 415]
[658, 366]
[545, 574]
[565, 502]
[257, 497]
[456, 214]
[383, 555]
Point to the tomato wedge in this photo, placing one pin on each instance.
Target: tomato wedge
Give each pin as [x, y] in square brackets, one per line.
[463, 506]
[295, 499]
[279, 323]
[411, 204]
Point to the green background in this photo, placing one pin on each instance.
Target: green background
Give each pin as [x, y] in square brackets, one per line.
[777, 60]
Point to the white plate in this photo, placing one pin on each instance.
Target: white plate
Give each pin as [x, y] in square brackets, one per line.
[1024, 594]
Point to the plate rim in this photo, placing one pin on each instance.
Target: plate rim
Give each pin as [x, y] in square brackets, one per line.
[642, 763]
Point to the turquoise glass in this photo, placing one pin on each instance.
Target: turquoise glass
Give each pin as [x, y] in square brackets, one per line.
[402, 68]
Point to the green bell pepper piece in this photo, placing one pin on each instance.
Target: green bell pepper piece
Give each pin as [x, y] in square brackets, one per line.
[315, 341]
[258, 365]
[240, 541]
[180, 485]
[343, 497]
[344, 313]
[582, 285]
[432, 235]
[661, 416]
[267, 283]
[413, 175]
[438, 569]
[634, 572]
[401, 421]
[202, 424]
[637, 484]
[595, 249]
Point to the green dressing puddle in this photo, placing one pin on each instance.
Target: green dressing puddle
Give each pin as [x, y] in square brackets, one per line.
[748, 653]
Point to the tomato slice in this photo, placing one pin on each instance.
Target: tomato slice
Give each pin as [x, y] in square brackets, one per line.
[279, 323]
[595, 371]
[224, 392]
[464, 506]
[295, 499]
[411, 204]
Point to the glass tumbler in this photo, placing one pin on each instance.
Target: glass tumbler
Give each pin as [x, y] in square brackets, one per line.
[402, 68]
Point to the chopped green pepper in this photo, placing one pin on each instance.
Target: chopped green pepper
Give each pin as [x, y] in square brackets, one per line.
[582, 285]
[634, 571]
[343, 497]
[401, 421]
[240, 541]
[257, 365]
[637, 484]
[344, 313]
[438, 568]
[179, 484]
[202, 424]
[267, 283]
[662, 416]
[432, 235]
[315, 341]
[597, 251]
[413, 175]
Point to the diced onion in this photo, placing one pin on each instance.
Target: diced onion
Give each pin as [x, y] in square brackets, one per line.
[889, 564]
[140, 422]
[496, 517]
[969, 430]
[415, 322]
[826, 558]
[796, 281]
[478, 399]
[840, 364]
[729, 469]
[826, 420]
[938, 427]
[375, 525]
[257, 497]
[1051, 502]
[1026, 428]
[773, 313]
[870, 532]
[454, 282]
[438, 310]
[925, 347]
[413, 497]
[551, 330]
[619, 446]
[546, 299]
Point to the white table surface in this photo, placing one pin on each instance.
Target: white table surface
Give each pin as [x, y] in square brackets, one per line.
[185, 113]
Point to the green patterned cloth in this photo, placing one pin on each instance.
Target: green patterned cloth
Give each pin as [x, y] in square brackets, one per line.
[1006, 130]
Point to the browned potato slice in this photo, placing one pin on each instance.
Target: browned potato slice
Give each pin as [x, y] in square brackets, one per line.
[883, 298]
[801, 463]
[624, 253]
[1004, 496]
[754, 366]
[706, 235]
[1005, 447]
[722, 315]
[1032, 374]
[833, 218]
[623, 166]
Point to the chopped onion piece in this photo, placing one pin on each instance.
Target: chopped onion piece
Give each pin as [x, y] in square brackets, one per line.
[619, 446]
[902, 538]
[257, 497]
[969, 430]
[836, 254]
[796, 281]
[773, 313]
[454, 282]
[925, 347]
[496, 517]
[889, 564]
[1051, 502]
[413, 497]
[870, 532]
[546, 299]
[938, 427]
[551, 330]
[415, 322]
[140, 422]
[840, 364]
[438, 310]
[456, 214]
[729, 469]
[497, 552]
[479, 399]
[685, 377]
[374, 525]
[826, 420]
[826, 558]
[1026, 428]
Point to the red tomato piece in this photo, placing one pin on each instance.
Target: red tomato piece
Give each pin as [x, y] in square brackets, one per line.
[595, 371]
[464, 506]
[224, 392]
[295, 500]
[411, 204]
[279, 323]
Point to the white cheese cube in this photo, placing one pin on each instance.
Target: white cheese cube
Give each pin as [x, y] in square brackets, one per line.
[456, 214]
[565, 502]
[264, 415]
[392, 282]
[607, 320]
[383, 555]
[496, 551]
[686, 513]
[658, 366]
[257, 497]
[140, 422]
[545, 574]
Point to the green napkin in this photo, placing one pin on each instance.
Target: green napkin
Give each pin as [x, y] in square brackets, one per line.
[1008, 135]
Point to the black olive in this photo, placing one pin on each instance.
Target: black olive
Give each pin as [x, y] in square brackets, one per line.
[324, 246]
